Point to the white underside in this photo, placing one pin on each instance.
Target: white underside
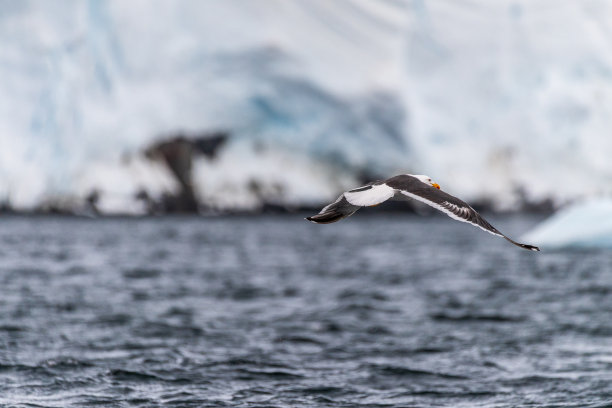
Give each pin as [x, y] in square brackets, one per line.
[373, 196]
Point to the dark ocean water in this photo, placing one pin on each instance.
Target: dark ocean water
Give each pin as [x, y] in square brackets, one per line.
[375, 311]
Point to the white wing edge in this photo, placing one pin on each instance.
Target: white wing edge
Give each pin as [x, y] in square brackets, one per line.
[445, 211]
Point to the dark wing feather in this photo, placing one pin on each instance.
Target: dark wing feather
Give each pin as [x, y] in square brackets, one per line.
[342, 208]
[335, 211]
[448, 204]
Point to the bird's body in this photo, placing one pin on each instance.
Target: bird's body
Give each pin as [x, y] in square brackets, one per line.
[407, 186]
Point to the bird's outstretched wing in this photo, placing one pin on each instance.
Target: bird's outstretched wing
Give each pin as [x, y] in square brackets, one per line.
[448, 204]
[350, 201]
[411, 187]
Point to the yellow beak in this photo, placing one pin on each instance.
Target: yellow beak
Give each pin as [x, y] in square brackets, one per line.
[436, 185]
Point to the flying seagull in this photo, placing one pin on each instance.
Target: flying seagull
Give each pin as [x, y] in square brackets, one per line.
[404, 187]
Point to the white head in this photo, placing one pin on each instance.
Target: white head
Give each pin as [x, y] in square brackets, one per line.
[426, 179]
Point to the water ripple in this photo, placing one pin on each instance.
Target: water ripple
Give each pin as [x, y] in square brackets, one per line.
[275, 312]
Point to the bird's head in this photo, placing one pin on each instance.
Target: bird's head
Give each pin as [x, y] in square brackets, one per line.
[427, 180]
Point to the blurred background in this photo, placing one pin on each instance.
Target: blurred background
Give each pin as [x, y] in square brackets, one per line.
[140, 107]
[232, 108]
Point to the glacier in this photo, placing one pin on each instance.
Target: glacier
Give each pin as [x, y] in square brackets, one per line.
[501, 101]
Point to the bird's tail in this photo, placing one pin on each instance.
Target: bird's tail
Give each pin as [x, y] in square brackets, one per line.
[335, 211]
[327, 218]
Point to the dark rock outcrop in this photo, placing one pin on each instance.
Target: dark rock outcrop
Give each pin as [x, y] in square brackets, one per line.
[177, 153]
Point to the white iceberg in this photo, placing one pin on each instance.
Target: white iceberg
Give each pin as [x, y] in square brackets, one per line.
[585, 224]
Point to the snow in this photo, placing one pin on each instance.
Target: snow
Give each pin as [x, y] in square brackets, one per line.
[118, 183]
[584, 224]
[278, 177]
